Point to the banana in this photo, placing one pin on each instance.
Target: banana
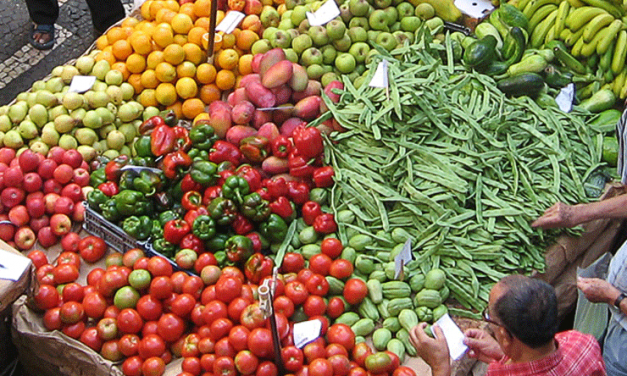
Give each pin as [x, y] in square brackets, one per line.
[619, 82]
[623, 92]
[550, 35]
[579, 44]
[574, 37]
[620, 52]
[589, 48]
[605, 61]
[540, 15]
[576, 3]
[539, 33]
[562, 12]
[611, 34]
[592, 28]
[612, 9]
[521, 4]
[565, 34]
[581, 16]
[534, 5]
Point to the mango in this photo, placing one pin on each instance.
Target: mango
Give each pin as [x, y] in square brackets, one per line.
[237, 133]
[249, 78]
[274, 165]
[313, 88]
[260, 118]
[254, 65]
[237, 96]
[260, 95]
[283, 94]
[279, 116]
[299, 79]
[270, 58]
[288, 126]
[308, 108]
[242, 113]
[268, 130]
[220, 117]
[278, 74]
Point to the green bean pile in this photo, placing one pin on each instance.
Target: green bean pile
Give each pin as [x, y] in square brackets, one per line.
[459, 166]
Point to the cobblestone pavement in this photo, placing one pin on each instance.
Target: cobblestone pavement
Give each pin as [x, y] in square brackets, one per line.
[20, 63]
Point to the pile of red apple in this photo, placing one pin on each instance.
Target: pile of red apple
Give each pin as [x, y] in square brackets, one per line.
[40, 196]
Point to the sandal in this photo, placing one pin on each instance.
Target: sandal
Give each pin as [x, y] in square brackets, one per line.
[43, 30]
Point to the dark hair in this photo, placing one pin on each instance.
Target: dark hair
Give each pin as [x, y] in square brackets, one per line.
[528, 309]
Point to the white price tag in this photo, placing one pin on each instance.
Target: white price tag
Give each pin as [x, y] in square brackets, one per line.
[402, 258]
[81, 84]
[454, 336]
[474, 8]
[380, 78]
[12, 266]
[230, 21]
[324, 14]
[305, 332]
[565, 98]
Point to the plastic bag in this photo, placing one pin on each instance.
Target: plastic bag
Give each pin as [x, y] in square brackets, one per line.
[592, 318]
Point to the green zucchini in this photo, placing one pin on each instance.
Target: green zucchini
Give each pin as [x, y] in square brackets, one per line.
[522, 84]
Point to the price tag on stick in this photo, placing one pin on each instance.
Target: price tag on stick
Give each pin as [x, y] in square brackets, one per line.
[230, 21]
[402, 259]
[305, 332]
[324, 14]
[380, 78]
[81, 84]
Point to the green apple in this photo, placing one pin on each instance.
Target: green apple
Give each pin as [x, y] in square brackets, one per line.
[425, 11]
[269, 32]
[345, 63]
[353, 76]
[303, 26]
[287, 14]
[342, 44]
[378, 20]
[386, 40]
[392, 15]
[293, 33]
[372, 35]
[345, 13]
[311, 56]
[336, 29]
[261, 46]
[360, 68]
[357, 34]
[291, 4]
[382, 4]
[328, 54]
[358, 8]
[318, 35]
[401, 37]
[328, 78]
[359, 22]
[299, 14]
[436, 24]
[301, 43]
[291, 55]
[359, 51]
[281, 39]
[286, 24]
[405, 9]
[315, 71]
[269, 16]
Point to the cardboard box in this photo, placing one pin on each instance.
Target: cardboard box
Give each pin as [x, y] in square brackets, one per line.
[11, 290]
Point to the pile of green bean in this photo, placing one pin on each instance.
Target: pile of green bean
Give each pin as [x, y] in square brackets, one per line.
[459, 166]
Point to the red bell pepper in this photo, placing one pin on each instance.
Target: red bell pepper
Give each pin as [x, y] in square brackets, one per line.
[242, 225]
[188, 184]
[148, 126]
[263, 192]
[223, 176]
[181, 139]
[282, 147]
[308, 141]
[282, 207]
[325, 224]
[191, 200]
[255, 148]
[298, 192]
[258, 243]
[252, 176]
[299, 165]
[323, 176]
[113, 169]
[162, 140]
[109, 188]
[192, 242]
[175, 230]
[225, 151]
[277, 187]
[211, 193]
[311, 210]
[258, 266]
[175, 162]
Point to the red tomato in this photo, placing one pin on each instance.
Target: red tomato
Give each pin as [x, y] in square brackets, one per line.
[131, 256]
[303, 275]
[335, 349]
[149, 308]
[150, 327]
[296, 292]
[191, 364]
[314, 306]
[38, 258]
[292, 262]
[403, 371]
[214, 310]
[224, 366]
[238, 337]
[280, 284]
[303, 371]
[159, 266]
[341, 334]
[183, 305]
[358, 371]
[341, 365]
[228, 288]
[220, 328]
[317, 285]
[65, 273]
[232, 271]
[170, 327]
[249, 291]
[132, 366]
[72, 312]
[111, 311]
[94, 276]
[154, 366]
[206, 345]
[110, 281]
[282, 325]
[160, 287]
[314, 350]
[320, 264]
[208, 294]
[224, 348]
[282, 304]
[253, 317]
[341, 269]
[92, 248]
[235, 308]
[206, 362]
[260, 342]
[360, 352]
[52, 319]
[197, 316]
[396, 362]
[355, 290]
[246, 362]
[151, 345]
[47, 297]
[74, 330]
[45, 275]
[129, 321]
[90, 338]
[129, 344]
[73, 292]
[193, 285]
[320, 367]
[267, 368]
[292, 358]
[190, 346]
[335, 307]
[178, 278]
[141, 263]
[95, 305]
[69, 258]
[331, 247]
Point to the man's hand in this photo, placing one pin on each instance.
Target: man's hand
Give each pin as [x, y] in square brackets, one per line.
[597, 290]
[433, 351]
[557, 216]
[482, 346]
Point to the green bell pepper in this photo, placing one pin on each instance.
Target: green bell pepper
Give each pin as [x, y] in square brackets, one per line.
[274, 228]
[164, 247]
[168, 215]
[235, 188]
[204, 227]
[126, 180]
[204, 172]
[143, 161]
[95, 198]
[238, 248]
[109, 210]
[255, 208]
[157, 229]
[216, 243]
[222, 210]
[202, 136]
[198, 155]
[142, 146]
[221, 258]
[147, 182]
[130, 202]
[138, 227]
[97, 177]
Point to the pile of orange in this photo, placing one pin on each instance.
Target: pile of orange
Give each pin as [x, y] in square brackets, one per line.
[163, 57]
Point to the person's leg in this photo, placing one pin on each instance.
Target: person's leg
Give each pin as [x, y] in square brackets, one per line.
[105, 13]
[44, 14]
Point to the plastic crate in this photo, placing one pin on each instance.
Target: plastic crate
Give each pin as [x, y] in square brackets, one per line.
[113, 235]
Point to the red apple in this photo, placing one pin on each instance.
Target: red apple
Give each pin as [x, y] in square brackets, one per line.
[34, 195]
[3, 166]
[73, 191]
[73, 158]
[7, 155]
[13, 176]
[60, 224]
[52, 186]
[63, 173]
[11, 196]
[14, 163]
[7, 230]
[37, 223]
[81, 177]
[85, 166]
[28, 160]
[64, 205]
[50, 200]
[56, 153]
[24, 238]
[32, 182]
[78, 214]
[46, 168]
[36, 207]
[70, 241]
[46, 237]
[18, 215]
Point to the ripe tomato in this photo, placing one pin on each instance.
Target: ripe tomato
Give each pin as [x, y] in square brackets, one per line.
[38, 258]
[280, 284]
[149, 308]
[208, 294]
[129, 321]
[246, 362]
[197, 316]
[95, 305]
[360, 353]
[154, 366]
[341, 269]
[235, 308]
[232, 271]
[191, 364]
[331, 247]
[303, 275]
[132, 366]
[228, 288]
[224, 348]
[214, 310]
[150, 327]
[224, 366]
[190, 345]
[396, 361]
[403, 371]
[73, 292]
[94, 276]
[129, 344]
[69, 258]
[71, 312]
[206, 362]
[220, 328]
[292, 262]
[206, 345]
[267, 368]
[260, 342]
[355, 290]
[335, 349]
[320, 264]
[178, 278]
[314, 350]
[65, 273]
[111, 311]
[74, 330]
[160, 287]
[159, 266]
[131, 256]
[47, 297]
[292, 358]
[151, 345]
[314, 306]
[296, 292]
[358, 371]
[110, 281]
[238, 337]
[320, 367]
[335, 307]
[193, 285]
[183, 305]
[252, 317]
[283, 304]
[92, 248]
[170, 327]
[249, 291]
[141, 263]
[52, 319]
[90, 338]
[204, 259]
[341, 334]
[317, 285]
[341, 365]
[282, 325]
[45, 275]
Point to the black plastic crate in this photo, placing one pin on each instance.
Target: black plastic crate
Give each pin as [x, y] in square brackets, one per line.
[113, 235]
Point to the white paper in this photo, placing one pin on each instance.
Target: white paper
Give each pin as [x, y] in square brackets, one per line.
[230, 21]
[305, 332]
[380, 78]
[454, 336]
[403, 258]
[81, 84]
[565, 98]
[12, 266]
[474, 8]
[324, 14]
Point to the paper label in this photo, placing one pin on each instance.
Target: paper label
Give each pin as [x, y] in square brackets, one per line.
[380, 78]
[565, 98]
[454, 336]
[81, 84]
[474, 8]
[305, 332]
[402, 259]
[324, 14]
[12, 266]
[230, 21]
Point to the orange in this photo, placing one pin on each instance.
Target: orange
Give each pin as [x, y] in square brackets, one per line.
[177, 107]
[186, 69]
[128, 30]
[225, 79]
[121, 67]
[172, 5]
[174, 54]
[122, 49]
[146, 26]
[135, 81]
[147, 98]
[209, 93]
[188, 9]
[220, 16]
[149, 79]
[115, 34]
[192, 107]
[205, 73]
[154, 58]
[141, 42]
[186, 87]
[246, 38]
[228, 41]
[163, 35]
[244, 66]
[180, 39]
[165, 72]
[165, 15]
[135, 63]
[145, 10]
[193, 53]
[202, 8]
[165, 94]
[102, 42]
[182, 23]
[227, 59]
[195, 35]
[130, 22]
[154, 8]
[107, 55]
[202, 22]
[251, 22]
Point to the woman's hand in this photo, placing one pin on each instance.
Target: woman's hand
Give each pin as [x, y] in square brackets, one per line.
[558, 215]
